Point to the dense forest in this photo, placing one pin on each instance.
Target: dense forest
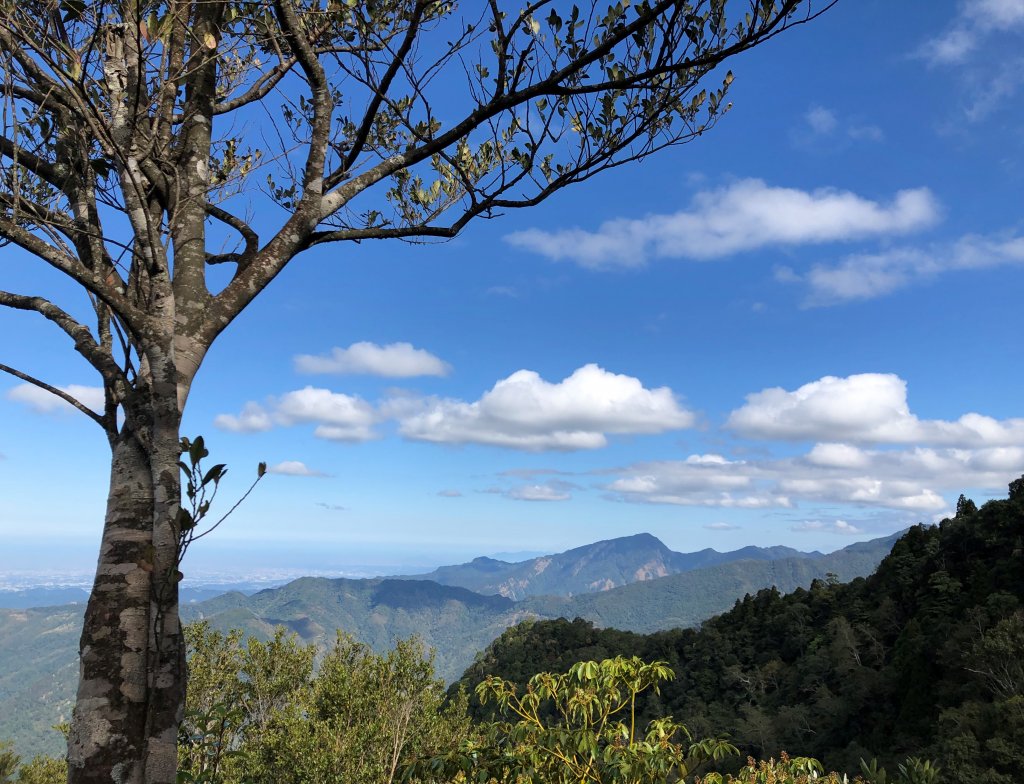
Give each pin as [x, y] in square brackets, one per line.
[925, 657]
[918, 669]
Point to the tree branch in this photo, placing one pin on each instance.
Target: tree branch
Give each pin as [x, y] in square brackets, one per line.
[91, 280]
[323, 105]
[85, 343]
[380, 91]
[39, 214]
[291, 238]
[259, 90]
[69, 399]
[252, 239]
[45, 169]
[247, 282]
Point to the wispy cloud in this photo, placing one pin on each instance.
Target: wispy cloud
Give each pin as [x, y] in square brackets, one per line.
[450, 493]
[981, 49]
[43, 402]
[870, 275]
[836, 527]
[823, 123]
[530, 473]
[503, 291]
[976, 21]
[544, 492]
[744, 216]
[552, 490]
[331, 507]
[821, 120]
[722, 527]
[395, 360]
[993, 88]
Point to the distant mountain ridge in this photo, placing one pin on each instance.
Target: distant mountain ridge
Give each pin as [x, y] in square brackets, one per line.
[595, 567]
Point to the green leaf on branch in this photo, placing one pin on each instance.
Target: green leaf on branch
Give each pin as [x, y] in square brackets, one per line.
[184, 520]
[215, 474]
[197, 450]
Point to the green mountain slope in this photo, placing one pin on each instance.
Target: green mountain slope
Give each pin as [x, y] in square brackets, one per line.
[925, 657]
[38, 670]
[454, 621]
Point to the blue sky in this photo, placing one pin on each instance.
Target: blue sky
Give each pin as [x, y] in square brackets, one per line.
[803, 329]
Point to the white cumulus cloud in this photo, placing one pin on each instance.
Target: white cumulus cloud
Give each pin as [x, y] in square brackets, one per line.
[744, 216]
[294, 468]
[395, 360]
[253, 418]
[862, 408]
[338, 417]
[524, 411]
[838, 456]
[43, 402]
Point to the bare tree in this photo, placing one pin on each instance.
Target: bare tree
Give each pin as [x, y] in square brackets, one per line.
[138, 139]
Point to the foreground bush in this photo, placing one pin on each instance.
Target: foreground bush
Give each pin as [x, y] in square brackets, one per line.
[577, 727]
[260, 712]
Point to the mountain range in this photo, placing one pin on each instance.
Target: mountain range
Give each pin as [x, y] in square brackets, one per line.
[600, 566]
[655, 588]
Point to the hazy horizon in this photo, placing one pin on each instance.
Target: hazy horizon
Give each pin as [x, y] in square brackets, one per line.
[68, 567]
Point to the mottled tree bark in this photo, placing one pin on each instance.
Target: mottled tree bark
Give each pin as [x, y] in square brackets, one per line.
[109, 719]
[132, 671]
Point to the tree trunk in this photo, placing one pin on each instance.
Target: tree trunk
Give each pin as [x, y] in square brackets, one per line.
[132, 668]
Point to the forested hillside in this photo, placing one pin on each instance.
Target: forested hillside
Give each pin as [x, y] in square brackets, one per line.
[687, 598]
[38, 667]
[924, 657]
